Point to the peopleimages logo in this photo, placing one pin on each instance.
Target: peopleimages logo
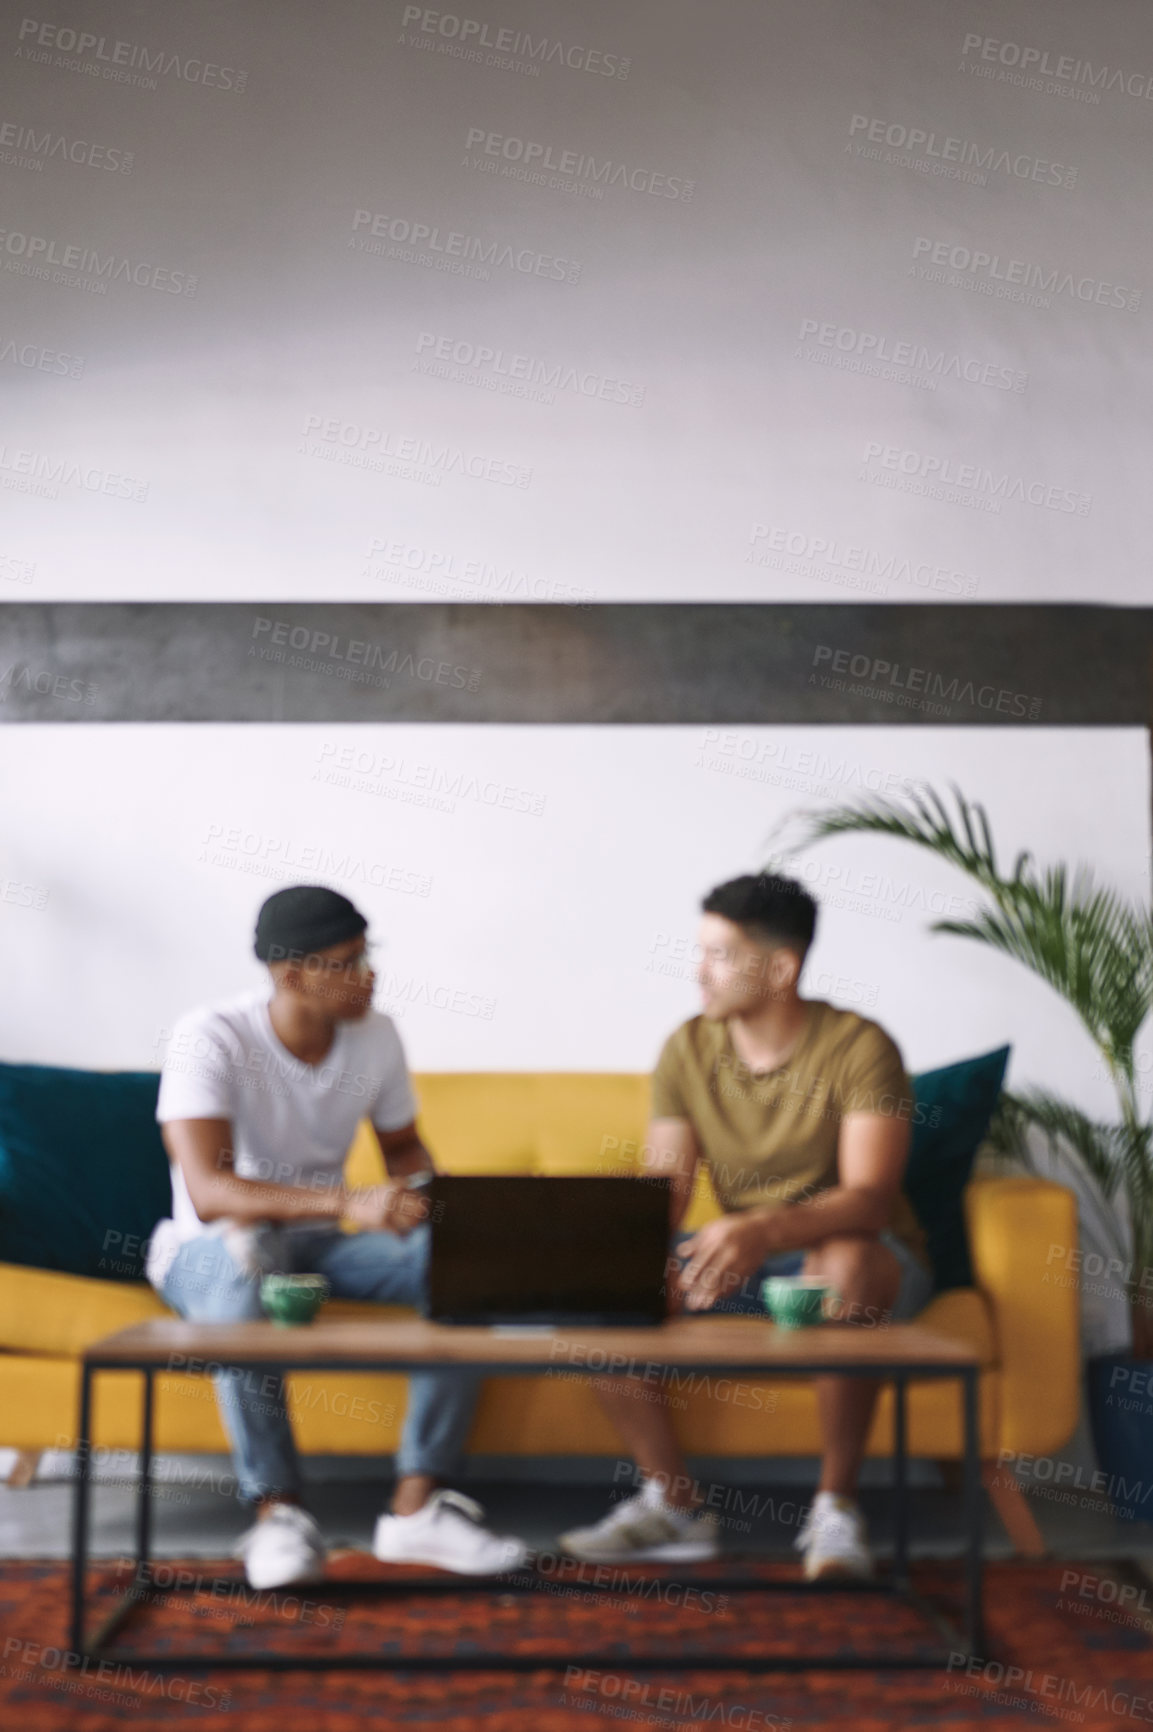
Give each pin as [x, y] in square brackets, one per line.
[577, 165]
[655, 1706]
[29, 255]
[437, 569]
[1016, 277]
[255, 851]
[937, 152]
[371, 772]
[467, 35]
[34, 355]
[515, 374]
[1036, 65]
[17, 678]
[908, 680]
[421, 243]
[13, 570]
[348, 654]
[121, 61]
[817, 552]
[42, 473]
[367, 448]
[25, 147]
[872, 348]
[973, 478]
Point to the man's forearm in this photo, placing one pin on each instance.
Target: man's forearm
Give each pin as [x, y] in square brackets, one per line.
[657, 1164]
[840, 1210]
[680, 1195]
[410, 1157]
[256, 1200]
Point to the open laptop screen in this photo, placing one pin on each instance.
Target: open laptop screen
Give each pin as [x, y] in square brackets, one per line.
[508, 1248]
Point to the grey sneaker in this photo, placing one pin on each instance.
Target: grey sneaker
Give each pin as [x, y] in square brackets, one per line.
[833, 1540]
[644, 1529]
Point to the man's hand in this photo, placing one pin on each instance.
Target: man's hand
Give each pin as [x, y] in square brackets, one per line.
[386, 1208]
[721, 1255]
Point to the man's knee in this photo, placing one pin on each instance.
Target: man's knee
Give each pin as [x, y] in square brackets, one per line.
[210, 1286]
[221, 1302]
[232, 1301]
[417, 1246]
[856, 1263]
[390, 1268]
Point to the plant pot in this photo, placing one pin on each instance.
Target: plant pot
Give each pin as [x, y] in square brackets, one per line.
[1119, 1390]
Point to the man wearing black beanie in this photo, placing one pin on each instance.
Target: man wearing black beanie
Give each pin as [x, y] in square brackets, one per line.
[260, 1097]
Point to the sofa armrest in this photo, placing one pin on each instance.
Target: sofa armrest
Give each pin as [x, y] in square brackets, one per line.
[1013, 1224]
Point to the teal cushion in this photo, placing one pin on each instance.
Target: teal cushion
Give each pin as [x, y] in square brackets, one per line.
[83, 1173]
[954, 1106]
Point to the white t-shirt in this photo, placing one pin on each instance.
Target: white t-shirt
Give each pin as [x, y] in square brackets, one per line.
[292, 1123]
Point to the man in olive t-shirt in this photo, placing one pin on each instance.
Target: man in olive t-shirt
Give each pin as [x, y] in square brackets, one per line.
[771, 1136]
[800, 1112]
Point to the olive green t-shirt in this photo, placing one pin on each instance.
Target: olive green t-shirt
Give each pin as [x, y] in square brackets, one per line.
[771, 1136]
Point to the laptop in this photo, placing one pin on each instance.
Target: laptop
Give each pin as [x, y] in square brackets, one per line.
[522, 1249]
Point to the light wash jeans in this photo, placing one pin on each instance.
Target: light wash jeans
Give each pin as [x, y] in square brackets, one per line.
[206, 1284]
[913, 1294]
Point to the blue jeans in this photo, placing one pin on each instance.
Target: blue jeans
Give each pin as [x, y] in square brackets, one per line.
[205, 1285]
[913, 1294]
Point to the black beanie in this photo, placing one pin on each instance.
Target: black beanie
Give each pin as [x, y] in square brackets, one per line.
[302, 919]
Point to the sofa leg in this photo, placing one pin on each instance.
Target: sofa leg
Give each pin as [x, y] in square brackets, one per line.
[23, 1469]
[1012, 1506]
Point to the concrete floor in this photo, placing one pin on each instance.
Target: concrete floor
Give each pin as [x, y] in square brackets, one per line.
[196, 1513]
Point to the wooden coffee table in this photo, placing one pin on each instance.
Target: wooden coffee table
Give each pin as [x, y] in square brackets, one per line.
[899, 1353]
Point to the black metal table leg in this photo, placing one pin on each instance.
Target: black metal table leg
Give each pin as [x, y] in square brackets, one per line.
[974, 1629]
[138, 1590]
[144, 1490]
[900, 1483]
[80, 1510]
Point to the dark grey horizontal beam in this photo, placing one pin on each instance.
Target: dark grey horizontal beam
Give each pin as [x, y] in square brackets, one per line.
[1046, 665]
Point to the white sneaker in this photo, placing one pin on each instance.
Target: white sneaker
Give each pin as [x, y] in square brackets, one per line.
[833, 1540]
[284, 1546]
[644, 1529]
[449, 1533]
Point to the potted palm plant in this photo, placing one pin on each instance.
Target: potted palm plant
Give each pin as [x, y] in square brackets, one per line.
[1095, 950]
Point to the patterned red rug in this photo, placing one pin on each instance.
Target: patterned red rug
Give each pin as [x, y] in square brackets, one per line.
[1073, 1646]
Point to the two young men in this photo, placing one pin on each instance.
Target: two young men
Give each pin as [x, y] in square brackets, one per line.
[799, 1110]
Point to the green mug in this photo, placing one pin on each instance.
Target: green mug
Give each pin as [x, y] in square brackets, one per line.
[795, 1301]
[293, 1299]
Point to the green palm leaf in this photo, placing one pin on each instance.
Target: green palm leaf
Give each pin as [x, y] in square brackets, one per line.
[1090, 945]
[1086, 941]
[1100, 1148]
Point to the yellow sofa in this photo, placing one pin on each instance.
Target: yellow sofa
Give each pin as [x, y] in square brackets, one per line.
[1025, 1326]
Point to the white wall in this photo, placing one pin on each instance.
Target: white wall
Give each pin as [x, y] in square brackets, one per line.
[559, 938]
[787, 373]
